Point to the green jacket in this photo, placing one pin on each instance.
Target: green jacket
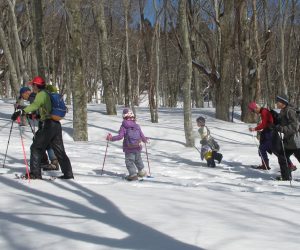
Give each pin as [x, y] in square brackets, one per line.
[42, 104]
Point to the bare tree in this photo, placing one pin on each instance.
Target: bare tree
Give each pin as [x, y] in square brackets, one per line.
[13, 73]
[187, 69]
[105, 61]
[79, 95]
[226, 56]
[128, 81]
[24, 75]
[39, 36]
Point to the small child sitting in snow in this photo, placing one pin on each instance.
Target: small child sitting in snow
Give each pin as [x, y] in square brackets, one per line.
[209, 147]
[133, 136]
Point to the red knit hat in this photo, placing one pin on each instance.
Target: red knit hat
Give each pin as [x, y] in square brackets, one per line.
[252, 106]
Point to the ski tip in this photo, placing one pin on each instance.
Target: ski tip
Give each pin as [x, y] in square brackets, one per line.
[149, 176]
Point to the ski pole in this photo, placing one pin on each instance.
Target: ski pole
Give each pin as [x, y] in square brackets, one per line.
[24, 154]
[32, 130]
[12, 123]
[147, 159]
[104, 157]
[287, 165]
[197, 149]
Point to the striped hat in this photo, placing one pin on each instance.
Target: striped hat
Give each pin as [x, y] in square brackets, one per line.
[283, 99]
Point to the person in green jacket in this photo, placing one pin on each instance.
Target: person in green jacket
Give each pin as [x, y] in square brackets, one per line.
[48, 134]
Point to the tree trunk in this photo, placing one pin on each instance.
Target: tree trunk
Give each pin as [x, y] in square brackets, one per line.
[269, 93]
[227, 76]
[282, 81]
[148, 39]
[105, 62]
[39, 36]
[78, 87]
[34, 64]
[128, 81]
[187, 69]
[13, 73]
[24, 75]
[258, 53]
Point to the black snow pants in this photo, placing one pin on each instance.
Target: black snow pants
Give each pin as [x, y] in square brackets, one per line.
[49, 134]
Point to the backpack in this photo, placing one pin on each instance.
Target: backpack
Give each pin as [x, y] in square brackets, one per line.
[276, 117]
[59, 108]
[211, 142]
[133, 137]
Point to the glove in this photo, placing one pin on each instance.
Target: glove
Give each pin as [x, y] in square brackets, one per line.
[252, 129]
[32, 116]
[16, 114]
[17, 106]
[278, 128]
[109, 137]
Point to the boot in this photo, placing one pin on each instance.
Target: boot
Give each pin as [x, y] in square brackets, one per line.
[55, 164]
[264, 165]
[292, 167]
[32, 176]
[141, 173]
[211, 163]
[131, 177]
[218, 156]
[66, 177]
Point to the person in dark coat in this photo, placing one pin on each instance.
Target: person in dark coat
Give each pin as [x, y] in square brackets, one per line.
[289, 127]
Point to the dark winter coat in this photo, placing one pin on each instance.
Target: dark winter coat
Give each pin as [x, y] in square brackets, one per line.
[289, 126]
[122, 134]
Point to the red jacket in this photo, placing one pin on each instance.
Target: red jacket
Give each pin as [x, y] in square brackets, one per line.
[266, 119]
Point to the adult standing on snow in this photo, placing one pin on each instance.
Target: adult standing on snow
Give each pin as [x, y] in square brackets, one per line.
[49, 132]
[28, 95]
[265, 140]
[289, 127]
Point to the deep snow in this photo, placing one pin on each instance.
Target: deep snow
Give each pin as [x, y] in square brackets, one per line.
[185, 206]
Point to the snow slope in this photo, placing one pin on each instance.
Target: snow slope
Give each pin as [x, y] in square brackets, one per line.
[185, 206]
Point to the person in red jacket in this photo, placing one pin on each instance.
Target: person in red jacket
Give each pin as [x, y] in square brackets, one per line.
[265, 141]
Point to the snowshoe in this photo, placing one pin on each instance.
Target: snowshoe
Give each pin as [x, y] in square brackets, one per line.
[131, 178]
[31, 176]
[292, 167]
[66, 177]
[262, 167]
[279, 178]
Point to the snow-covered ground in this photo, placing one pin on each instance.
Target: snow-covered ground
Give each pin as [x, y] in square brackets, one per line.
[185, 206]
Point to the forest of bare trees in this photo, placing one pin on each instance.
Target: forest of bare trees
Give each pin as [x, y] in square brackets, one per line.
[171, 51]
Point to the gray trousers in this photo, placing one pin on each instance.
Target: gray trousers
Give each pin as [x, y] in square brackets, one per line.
[133, 161]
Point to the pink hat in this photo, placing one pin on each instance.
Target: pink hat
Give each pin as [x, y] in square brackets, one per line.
[127, 113]
[252, 106]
